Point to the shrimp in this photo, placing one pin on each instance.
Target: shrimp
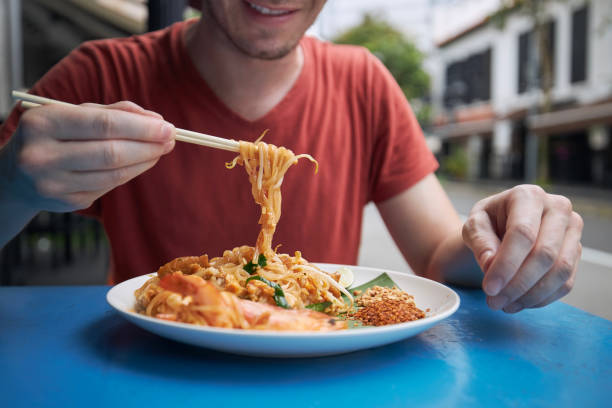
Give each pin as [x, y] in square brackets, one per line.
[185, 264]
[224, 309]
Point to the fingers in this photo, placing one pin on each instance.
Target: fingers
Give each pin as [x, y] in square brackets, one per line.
[480, 236]
[94, 123]
[559, 279]
[98, 180]
[126, 106]
[71, 156]
[536, 261]
[107, 154]
[561, 292]
[524, 206]
[67, 187]
[547, 248]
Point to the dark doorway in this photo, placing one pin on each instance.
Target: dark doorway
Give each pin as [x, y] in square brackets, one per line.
[517, 151]
[485, 157]
[569, 158]
[601, 166]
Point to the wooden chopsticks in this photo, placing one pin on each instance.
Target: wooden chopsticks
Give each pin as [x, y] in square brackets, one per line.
[32, 101]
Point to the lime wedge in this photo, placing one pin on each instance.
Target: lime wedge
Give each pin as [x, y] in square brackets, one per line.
[346, 277]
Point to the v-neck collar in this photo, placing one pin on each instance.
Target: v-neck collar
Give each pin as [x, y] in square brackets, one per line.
[201, 92]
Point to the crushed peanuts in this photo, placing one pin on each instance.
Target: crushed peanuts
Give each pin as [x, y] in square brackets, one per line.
[380, 306]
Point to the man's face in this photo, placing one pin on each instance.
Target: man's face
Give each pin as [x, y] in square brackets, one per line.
[267, 29]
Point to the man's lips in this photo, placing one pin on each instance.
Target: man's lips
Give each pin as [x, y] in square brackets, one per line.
[269, 11]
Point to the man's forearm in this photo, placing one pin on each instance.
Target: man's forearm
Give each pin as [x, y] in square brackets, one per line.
[454, 262]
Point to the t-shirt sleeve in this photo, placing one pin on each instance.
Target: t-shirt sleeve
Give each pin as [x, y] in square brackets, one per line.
[75, 79]
[400, 156]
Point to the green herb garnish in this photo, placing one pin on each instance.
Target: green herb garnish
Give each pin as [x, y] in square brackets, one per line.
[252, 267]
[319, 307]
[279, 295]
[262, 261]
[381, 280]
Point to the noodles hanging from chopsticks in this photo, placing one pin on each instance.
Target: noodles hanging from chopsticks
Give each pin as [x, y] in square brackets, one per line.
[256, 273]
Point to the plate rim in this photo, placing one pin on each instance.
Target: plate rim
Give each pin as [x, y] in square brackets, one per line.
[366, 331]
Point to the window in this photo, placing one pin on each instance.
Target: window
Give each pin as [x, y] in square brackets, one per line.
[524, 61]
[479, 70]
[580, 39]
[551, 35]
[529, 58]
[468, 80]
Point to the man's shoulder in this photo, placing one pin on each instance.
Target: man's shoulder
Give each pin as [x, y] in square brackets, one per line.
[151, 45]
[108, 70]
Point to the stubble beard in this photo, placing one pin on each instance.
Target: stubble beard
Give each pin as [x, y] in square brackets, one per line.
[244, 45]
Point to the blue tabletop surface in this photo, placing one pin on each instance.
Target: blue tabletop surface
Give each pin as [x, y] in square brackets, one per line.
[65, 347]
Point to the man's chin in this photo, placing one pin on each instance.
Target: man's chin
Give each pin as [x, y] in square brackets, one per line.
[272, 55]
[267, 52]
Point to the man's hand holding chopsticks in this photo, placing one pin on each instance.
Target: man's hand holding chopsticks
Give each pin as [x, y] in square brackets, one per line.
[63, 158]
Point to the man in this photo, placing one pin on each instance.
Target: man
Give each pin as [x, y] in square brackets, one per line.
[242, 68]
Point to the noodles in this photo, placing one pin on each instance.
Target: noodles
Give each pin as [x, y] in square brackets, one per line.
[258, 274]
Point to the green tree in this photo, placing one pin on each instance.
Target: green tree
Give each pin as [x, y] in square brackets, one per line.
[456, 164]
[401, 57]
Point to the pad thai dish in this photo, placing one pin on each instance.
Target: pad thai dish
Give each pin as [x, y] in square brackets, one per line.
[251, 287]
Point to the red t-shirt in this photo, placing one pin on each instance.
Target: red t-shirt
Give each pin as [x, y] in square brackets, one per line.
[345, 109]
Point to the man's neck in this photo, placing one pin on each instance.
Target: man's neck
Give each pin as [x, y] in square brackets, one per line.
[250, 87]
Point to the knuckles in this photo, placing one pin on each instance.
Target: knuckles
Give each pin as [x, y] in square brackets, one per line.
[33, 159]
[546, 254]
[567, 287]
[560, 203]
[110, 155]
[529, 191]
[520, 287]
[473, 225]
[102, 123]
[564, 269]
[468, 228]
[577, 220]
[527, 232]
[127, 105]
[36, 123]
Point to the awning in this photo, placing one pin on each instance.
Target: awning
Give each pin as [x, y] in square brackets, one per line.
[568, 120]
[475, 127]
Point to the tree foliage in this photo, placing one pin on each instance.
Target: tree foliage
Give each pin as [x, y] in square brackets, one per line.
[401, 56]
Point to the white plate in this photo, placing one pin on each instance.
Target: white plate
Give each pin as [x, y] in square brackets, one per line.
[439, 299]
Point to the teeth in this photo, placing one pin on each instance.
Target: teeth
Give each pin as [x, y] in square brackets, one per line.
[267, 11]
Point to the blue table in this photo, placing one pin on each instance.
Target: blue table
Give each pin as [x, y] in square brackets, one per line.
[65, 347]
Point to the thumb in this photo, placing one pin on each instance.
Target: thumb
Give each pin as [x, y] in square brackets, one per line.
[480, 236]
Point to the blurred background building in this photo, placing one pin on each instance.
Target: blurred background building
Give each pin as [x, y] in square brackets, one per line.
[494, 102]
[507, 91]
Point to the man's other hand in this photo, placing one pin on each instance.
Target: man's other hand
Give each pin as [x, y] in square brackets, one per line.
[527, 243]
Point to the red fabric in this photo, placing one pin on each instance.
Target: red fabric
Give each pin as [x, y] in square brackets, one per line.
[345, 110]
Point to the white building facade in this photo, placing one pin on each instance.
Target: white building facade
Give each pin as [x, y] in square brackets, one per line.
[485, 101]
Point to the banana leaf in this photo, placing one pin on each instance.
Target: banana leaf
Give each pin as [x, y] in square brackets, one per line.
[381, 280]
